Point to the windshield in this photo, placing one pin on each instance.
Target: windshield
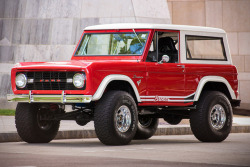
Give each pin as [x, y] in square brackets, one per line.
[112, 44]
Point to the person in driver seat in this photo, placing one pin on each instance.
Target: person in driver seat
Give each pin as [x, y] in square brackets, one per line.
[166, 46]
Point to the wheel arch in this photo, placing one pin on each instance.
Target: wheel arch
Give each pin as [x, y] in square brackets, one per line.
[116, 78]
[210, 81]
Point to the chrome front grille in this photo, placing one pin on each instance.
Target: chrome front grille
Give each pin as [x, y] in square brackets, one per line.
[49, 80]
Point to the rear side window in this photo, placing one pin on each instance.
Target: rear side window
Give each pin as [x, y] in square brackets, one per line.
[205, 48]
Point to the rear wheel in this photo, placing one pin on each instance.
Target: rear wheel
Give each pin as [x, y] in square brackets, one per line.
[115, 118]
[30, 125]
[146, 127]
[212, 121]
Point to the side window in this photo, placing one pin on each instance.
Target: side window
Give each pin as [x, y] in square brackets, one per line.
[164, 48]
[152, 53]
[205, 48]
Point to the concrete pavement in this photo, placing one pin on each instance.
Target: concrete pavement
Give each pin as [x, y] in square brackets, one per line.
[174, 151]
[70, 130]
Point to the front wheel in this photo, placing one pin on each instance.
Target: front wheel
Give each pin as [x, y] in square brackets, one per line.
[30, 125]
[115, 118]
[212, 121]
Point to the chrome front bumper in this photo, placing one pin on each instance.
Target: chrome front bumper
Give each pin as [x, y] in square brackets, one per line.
[30, 98]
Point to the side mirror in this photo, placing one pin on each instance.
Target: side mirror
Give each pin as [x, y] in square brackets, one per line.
[164, 59]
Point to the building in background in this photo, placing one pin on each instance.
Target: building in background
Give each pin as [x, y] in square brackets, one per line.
[48, 30]
[231, 15]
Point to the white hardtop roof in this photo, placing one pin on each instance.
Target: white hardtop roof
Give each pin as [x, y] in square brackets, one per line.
[153, 26]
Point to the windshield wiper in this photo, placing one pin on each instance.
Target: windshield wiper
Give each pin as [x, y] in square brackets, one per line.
[137, 37]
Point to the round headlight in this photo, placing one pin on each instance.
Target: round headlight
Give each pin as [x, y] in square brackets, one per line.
[78, 80]
[21, 80]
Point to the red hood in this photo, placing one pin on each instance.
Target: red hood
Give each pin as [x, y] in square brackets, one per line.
[67, 65]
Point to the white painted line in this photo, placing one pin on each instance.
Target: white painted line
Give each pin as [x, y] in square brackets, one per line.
[108, 150]
[89, 151]
[24, 166]
[129, 149]
[148, 148]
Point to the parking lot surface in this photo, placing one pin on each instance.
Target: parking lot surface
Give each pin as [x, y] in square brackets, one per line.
[181, 150]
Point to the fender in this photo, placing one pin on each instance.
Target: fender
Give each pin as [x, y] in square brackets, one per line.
[99, 92]
[206, 79]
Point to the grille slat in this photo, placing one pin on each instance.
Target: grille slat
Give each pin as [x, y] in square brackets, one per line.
[50, 80]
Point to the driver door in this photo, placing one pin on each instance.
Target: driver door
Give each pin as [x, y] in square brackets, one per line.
[165, 80]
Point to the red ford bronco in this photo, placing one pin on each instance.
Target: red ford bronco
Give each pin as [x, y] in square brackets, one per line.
[125, 77]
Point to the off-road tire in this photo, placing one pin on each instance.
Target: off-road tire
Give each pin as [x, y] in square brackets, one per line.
[200, 119]
[105, 118]
[145, 131]
[27, 125]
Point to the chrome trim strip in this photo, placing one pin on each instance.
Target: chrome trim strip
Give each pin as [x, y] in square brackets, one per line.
[31, 98]
[167, 98]
[69, 80]
[30, 80]
[170, 97]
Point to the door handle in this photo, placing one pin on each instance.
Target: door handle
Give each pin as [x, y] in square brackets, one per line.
[182, 66]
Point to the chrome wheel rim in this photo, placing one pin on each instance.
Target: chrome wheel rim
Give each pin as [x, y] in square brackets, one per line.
[217, 117]
[123, 119]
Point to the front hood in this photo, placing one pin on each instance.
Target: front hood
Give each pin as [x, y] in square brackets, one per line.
[67, 65]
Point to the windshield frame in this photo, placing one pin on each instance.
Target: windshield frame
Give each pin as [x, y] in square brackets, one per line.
[123, 31]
